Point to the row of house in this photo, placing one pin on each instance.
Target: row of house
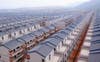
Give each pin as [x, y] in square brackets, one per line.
[21, 19]
[95, 42]
[58, 46]
[10, 31]
[16, 46]
[25, 28]
[85, 48]
[15, 50]
[84, 52]
[78, 48]
[17, 31]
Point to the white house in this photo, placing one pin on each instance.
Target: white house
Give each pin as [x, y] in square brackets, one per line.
[41, 53]
[39, 34]
[28, 40]
[55, 42]
[51, 28]
[46, 32]
[12, 50]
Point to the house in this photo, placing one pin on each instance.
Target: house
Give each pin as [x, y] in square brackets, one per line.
[56, 27]
[39, 34]
[41, 53]
[34, 37]
[12, 51]
[51, 28]
[55, 42]
[3, 37]
[46, 32]
[28, 40]
[62, 36]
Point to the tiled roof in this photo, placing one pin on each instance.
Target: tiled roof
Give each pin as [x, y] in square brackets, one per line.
[13, 44]
[43, 50]
[26, 38]
[53, 41]
[38, 32]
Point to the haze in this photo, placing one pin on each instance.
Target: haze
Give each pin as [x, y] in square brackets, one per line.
[12, 4]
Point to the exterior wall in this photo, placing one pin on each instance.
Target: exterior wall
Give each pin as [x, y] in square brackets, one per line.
[10, 36]
[64, 41]
[28, 30]
[37, 26]
[13, 35]
[58, 48]
[6, 37]
[25, 30]
[22, 31]
[34, 57]
[17, 34]
[50, 57]
[70, 33]
[68, 42]
[48, 23]
[1, 39]
[33, 28]
[60, 45]
[74, 31]
[4, 54]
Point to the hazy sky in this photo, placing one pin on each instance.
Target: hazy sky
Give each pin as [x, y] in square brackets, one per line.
[12, 4]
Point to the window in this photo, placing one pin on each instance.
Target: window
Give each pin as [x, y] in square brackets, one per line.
[54, 49]
[0, 30]
[20, 32]
[24, 31]
[28, 29]
[14, 50]
[15, 34]
[65, 55]
[58, 46]
[30, 40]
[2, 38]
[43, 60]
[9, 36]
[34, 27]
[15, 56]
[0, 56]
[62, 43]
[49, 57]
[18, 48]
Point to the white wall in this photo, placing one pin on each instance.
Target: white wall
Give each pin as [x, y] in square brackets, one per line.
[4, 54]
[34, 57]
[0, 38]
[58, 48]
[6, 37]
[52, 57]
